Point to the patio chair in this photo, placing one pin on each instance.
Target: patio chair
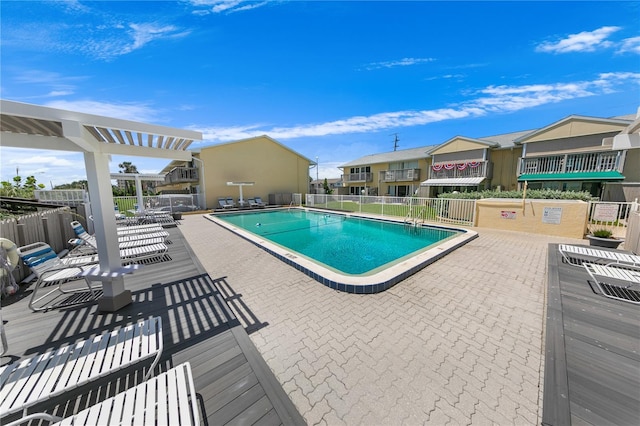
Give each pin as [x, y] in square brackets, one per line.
[27, 383]
[137, 229]
[167, 399]
[133, 240]
[53, 272]
[615, 280]
[577, 255]
[222, 202]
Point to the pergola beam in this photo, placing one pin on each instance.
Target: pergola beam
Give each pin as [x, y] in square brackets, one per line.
[38, 127]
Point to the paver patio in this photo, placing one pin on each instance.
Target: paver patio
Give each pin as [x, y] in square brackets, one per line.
[460, 342]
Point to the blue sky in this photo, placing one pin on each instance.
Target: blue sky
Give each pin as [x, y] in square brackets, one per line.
[330, 79]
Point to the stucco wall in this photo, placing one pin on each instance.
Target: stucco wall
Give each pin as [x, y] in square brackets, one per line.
[273, 168]
[537, 216]
[505, 167]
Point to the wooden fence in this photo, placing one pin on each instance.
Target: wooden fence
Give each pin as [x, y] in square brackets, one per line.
[50, 226]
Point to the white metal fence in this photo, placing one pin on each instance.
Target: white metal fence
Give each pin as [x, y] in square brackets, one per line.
[413, 209]
[613, 216]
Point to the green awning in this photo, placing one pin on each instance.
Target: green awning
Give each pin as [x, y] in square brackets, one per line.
[610, 175]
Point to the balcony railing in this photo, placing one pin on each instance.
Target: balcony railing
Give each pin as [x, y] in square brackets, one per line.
[460, 170]
[181, 175]
[572, 163]
[400, 175]
[358, 177]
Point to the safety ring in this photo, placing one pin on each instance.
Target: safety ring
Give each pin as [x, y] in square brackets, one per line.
[12, 252]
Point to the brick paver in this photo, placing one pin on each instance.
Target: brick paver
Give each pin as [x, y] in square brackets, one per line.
[460, 342]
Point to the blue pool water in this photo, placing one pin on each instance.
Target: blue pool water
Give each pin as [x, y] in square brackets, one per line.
[350, 245]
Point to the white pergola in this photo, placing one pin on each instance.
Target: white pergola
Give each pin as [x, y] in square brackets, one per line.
[138, 178]
[97, 137]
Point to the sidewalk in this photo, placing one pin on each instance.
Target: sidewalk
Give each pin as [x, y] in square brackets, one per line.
[459, 342]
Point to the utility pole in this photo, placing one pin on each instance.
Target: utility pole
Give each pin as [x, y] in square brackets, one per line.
[395, 141]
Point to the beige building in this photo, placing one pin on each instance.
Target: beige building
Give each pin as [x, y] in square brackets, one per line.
[267, 168]
[577, 153]
[396, 173]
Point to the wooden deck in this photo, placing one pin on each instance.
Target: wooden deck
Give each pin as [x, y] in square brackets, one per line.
[233, 382]
[592, 363]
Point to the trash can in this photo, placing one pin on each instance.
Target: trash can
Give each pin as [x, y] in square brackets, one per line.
[177, 215]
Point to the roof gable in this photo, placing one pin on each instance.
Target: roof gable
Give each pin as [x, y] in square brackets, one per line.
[574, 126]
[390, 157]
[253, 139]
[461, 143]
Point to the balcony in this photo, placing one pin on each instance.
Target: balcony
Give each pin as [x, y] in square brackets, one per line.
[572, 163]
[471, 169]
[181, 175]
[357, 177]
[405, 175]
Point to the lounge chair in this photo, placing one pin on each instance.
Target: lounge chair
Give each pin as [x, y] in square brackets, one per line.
[137, 229]
[25, 384]
[53, 272]
[243, 203]
[577, 255]
[223, 203]
[259, 202]
[230, 202]
[167, 399]
[614, 280]
[133, 240]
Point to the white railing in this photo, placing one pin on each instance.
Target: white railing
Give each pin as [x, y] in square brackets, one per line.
[572, 163]
[613, 216]
[63, 197]
[171, 203]
[459, 170]
[410, 209]
[399, 175]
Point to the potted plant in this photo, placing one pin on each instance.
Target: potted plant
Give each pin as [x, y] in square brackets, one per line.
[603, 237]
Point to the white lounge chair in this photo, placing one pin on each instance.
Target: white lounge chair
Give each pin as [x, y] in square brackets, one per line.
[618, 279]
[167, 399]
[24, 384]
[128, 241]
[577, 255]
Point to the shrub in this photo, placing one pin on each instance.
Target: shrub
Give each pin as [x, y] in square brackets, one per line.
[543, 194]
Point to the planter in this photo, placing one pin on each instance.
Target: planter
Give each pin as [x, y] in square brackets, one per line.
[604, 242]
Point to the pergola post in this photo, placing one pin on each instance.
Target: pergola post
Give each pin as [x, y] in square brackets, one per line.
[114, 294]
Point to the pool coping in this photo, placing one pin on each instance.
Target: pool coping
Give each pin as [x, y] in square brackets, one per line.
[368, 284]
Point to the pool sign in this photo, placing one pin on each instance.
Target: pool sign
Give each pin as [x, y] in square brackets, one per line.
[507, 214]
[605, 212]
[552, 215]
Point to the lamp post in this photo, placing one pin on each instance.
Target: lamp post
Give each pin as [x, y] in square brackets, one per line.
[317, 178]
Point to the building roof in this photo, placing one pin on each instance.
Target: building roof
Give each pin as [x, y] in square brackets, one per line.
[390, 157]
[614, 121]
[198, 150]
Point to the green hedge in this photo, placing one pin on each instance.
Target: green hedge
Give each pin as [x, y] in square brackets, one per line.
[544, 194]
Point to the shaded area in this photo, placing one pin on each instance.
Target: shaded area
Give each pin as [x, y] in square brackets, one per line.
[592, 364]
[233, 382]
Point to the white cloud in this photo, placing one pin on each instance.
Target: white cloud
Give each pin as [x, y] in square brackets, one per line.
[404, 62]
[111, 42]
[631, 45]
[225, 6]
[127, 111]
[492, 99]
[586, 41]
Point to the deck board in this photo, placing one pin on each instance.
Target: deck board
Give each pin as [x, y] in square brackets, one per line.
[232, 380]
[597, 352]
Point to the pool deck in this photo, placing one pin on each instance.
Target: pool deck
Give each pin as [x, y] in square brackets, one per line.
[233, 383]
[460, 342]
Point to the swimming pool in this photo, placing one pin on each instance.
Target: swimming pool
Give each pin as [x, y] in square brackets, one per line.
[346, 252]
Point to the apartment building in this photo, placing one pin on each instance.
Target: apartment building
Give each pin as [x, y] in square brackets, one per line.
[576, 153]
